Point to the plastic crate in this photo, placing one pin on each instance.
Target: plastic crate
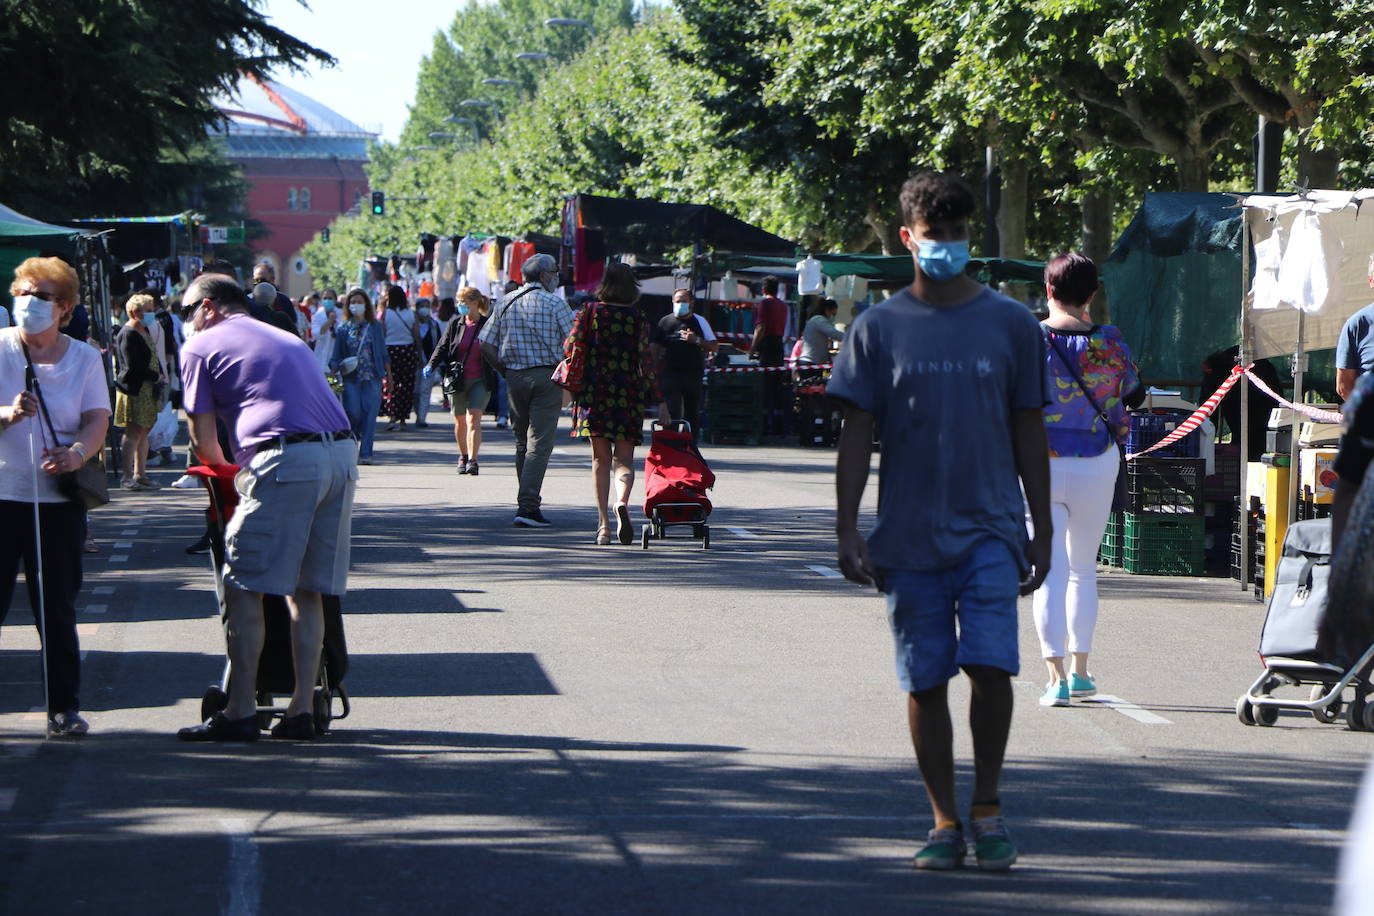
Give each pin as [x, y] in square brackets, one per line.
[1110, 552]
[1158, 546]
[1165, 486]
[1149, 428]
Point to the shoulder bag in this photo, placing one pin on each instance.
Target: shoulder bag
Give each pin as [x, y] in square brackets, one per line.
[1120, 496]
[87, 486]
[452, 373]
[570, 373]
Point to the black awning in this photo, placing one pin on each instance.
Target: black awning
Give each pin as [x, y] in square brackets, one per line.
[653, 230]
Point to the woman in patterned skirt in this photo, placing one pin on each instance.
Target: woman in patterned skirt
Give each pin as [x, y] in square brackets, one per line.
[618, 384]
[136, 393]
[403, 352]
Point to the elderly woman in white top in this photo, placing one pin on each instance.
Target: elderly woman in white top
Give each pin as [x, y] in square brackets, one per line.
[48, 429]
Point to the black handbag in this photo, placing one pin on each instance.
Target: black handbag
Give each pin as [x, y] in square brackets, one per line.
[1120, 495]
[88, 485]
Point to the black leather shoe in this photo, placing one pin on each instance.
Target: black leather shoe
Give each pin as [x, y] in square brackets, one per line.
[297, 728]
[221, 728]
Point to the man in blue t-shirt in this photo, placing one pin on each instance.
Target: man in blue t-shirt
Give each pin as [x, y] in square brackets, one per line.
[954, 376]
[1355, 349]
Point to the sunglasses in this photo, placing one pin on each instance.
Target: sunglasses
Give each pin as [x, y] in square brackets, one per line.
[187, 311]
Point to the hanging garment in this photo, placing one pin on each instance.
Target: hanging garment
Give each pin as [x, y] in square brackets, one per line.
[445, 270]
[589, 258]
[520, 252]
[476, 275]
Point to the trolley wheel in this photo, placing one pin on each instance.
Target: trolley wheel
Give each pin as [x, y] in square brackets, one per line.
[1332, 712]
[1368, 716]
[1266, 715]
[644, 534]
[705, 538]
[1245, 712]
[214, 701]
[1354, 714]
[322, 713]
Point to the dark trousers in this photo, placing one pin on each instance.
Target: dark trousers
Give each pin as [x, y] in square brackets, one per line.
[776, 410]
[682, 394]
[63, 526]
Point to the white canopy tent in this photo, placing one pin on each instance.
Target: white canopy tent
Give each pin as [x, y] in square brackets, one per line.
[1312, 259]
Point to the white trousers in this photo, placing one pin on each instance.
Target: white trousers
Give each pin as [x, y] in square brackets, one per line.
[1080, 501]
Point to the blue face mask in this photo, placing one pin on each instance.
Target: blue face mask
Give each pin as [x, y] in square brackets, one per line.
[942, 261]
[329, 304]
[463, 310]
[149, 319]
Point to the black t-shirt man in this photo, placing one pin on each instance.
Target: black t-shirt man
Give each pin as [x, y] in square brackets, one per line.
[682, 357]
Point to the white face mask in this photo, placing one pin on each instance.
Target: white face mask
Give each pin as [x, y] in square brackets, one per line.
[32, 314]
[356, 309]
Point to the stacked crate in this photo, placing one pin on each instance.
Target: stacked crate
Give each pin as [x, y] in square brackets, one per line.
[1162, 530]
[1219, 491]
[817, 417]
[734, 408]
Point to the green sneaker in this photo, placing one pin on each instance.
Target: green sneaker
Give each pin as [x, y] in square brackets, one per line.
[1080, 686]
[944, 849]
[1056, 694]
[992, 845]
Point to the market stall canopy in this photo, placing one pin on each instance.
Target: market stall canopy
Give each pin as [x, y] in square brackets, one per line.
[1312, 259]
[880, 269]
[1174, 279]
[651, 229]
[15, 227]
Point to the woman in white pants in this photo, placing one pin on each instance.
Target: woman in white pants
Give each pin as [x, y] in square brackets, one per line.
[1092, 380]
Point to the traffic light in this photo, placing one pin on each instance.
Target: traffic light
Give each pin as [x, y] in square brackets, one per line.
[324, 235]
[378, 203]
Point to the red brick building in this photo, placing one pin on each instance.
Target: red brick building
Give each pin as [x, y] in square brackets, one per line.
[304, 164]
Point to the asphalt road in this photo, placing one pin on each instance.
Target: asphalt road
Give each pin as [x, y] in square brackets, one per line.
[541, 725]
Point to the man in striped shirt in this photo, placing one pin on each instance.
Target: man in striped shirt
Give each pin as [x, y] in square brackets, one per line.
[524, 340]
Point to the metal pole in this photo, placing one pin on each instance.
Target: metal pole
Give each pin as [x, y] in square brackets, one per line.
[1299, 365]
[1243, 357]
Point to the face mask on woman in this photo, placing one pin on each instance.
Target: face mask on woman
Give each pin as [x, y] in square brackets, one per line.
[356, 309]
[463, 311]
[423, 311]
[149, 319]
[328, 304]
[32, 314]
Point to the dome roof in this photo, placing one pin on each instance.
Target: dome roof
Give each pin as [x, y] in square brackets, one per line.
[265, 118]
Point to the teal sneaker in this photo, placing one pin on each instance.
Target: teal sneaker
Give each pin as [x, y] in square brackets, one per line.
[944, 849]
[1081, 686]
[1056, 694]
[992, 845]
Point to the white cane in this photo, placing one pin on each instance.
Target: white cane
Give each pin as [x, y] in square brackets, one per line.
[38, 564]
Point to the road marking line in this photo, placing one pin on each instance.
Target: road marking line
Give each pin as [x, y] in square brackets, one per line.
[826, 571]
[97, 608]
[1129, 710]
[243, 875]
[742, 533]
[87, 629]
[7, 797]
[124, 545]
[120, 558]
[103, 590]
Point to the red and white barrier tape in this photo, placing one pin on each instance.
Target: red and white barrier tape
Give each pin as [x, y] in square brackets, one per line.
[1316, 413]
[1195, 420]
[735, 369]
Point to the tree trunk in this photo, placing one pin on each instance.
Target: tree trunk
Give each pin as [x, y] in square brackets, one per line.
[1098, 209]
[1011, 217]
[887, 233]
[1318, 168]
[1193, 169]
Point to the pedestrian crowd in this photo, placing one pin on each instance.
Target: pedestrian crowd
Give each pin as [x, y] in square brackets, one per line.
[1029, 417]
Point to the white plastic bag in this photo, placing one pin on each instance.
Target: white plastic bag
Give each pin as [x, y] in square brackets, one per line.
[164, 429]
[1311, 261]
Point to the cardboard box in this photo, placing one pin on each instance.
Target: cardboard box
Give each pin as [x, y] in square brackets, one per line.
[1317, 476]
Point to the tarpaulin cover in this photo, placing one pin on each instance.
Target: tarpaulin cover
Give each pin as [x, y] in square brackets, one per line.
[1174, 282]
[1331, 268]
[652, 229]
[16, 227]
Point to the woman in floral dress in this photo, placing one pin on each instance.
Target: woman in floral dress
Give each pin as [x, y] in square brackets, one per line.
[611, 338]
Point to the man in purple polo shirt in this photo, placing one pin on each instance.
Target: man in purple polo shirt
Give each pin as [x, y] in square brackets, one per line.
[290, 533]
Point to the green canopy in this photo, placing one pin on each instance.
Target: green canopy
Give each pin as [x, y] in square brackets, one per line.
[15, 227]
[889, 270]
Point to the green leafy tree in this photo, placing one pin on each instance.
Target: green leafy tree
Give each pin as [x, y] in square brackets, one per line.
[105, 99]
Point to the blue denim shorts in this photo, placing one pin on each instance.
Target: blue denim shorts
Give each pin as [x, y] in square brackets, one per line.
[949, 618]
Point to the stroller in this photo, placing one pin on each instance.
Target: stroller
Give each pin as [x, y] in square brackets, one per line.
[676, 479]
[276, 671]
[1288, 642]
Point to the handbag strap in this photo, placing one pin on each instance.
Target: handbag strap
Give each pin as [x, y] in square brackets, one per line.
[38, 393]
[1068, 364]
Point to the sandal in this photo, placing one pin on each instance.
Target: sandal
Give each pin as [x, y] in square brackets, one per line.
[603, 536]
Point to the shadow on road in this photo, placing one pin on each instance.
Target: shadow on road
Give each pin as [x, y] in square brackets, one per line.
[541, 823]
